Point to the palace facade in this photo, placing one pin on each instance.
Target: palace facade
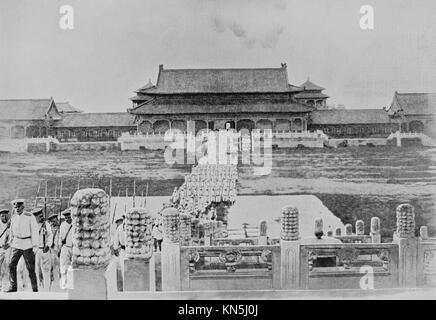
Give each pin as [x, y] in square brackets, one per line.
[259, 98]
[214, 98]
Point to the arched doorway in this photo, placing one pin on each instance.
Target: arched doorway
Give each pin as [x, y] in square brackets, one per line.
[145, 127]
[17, 132]
[264, 124]
[3, 132]
[161, 126]
[32, 132]
[200, 125]
[297, 125]
[179, 125]
[416, 126]
[283, 125]
[230, 125]
[245, 124]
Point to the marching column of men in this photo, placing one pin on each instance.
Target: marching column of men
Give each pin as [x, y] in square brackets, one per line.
[39, 250]
[205, 186]
[33, 248]
[66, 247]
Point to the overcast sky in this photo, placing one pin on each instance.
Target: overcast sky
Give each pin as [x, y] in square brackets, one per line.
[116, 46]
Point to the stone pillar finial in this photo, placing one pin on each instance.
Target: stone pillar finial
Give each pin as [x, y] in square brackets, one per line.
[405, 221]
[138, 229]
[319, 226]
[263, 228]
[348, 229]
[423, 232]
[171, 221]
[338, 232]
[195, 230]
[375, 230]
[375, 225]
[185, 229]
[360, 228]
[290, 224]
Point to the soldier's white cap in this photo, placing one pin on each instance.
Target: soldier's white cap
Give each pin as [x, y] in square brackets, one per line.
[37, 211]
[4, 211]
[66, 212]
[17, 201]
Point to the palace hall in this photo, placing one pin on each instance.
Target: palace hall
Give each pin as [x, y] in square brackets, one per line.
[241, 98]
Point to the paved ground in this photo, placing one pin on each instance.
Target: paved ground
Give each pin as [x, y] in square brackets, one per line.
[379, 294]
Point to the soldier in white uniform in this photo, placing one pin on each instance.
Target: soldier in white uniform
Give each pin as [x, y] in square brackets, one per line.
[120, 247]
[55, 252]
[23, 239]
[5, 251]
[43, 260]
[66, 245]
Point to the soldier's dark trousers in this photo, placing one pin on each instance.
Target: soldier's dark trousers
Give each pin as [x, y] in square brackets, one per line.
[29, 258]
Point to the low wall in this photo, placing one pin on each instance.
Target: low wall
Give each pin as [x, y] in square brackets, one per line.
[138, 142]
[321, 266]
[86, 146]
[358, 142]
[230, 268]
[297, 142]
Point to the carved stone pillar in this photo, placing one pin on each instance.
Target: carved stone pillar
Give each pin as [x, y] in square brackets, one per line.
[262, 237]
[90, 221]
[195, 231]
[408, 245]
[170, 256]
[360, 228]
[139, 268]
[185, 229]
[423, 233]
[290, 248]
[348, 229]
[375, 230]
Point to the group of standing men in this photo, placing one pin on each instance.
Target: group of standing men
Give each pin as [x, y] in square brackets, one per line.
[34, 248]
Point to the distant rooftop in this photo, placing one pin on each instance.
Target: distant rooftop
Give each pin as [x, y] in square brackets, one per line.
[351, 116]
[308, 85]
[27, 109]
[250, 80]
[66, 107]
[106, 119]
[413, 103]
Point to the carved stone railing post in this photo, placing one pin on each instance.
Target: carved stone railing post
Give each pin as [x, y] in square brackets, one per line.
[348, 229]
[360, 228]
[375, 230]
[139, 264]
[423, 233]
[91, 252]
[404, 236]
[195, 231]
[185, 229]
[207, 229]
[263, 233]
[170, 257]
[290, 248]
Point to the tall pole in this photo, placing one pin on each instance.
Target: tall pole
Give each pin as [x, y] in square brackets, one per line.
[60, 205]
[37, 193]
[146, 194]
[134, 192]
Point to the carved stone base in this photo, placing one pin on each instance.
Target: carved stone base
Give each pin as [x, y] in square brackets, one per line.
[170, 264]
[88, 284]
[139, 275]
[290, 264]
[407, 260]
